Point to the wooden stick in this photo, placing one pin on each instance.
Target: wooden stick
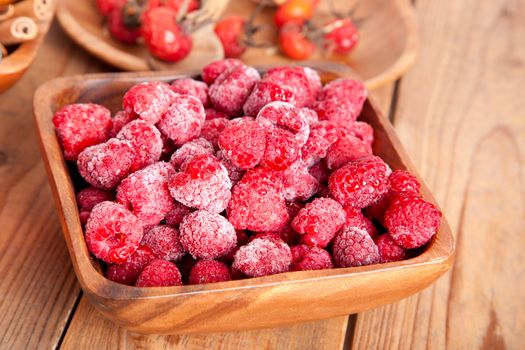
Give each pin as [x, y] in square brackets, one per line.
[39, 10]
[6, 12]
[17, 30]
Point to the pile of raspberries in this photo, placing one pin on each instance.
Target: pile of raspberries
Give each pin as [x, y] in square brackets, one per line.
[238, 176]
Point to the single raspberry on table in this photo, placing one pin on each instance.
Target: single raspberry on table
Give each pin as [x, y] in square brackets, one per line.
[159, 273]
[207, 235]
[299, 184]
[213, 114]
[105, 165]
[212, 128]
[113, 233]
[341, 101]
[209, 271]
[265, 92]
[281, 151]
[148, 101]
[128, 272]
[120, 119]
[319, 221]
[364, 132]
[234, 172]
[264, 255]
[118, 29]
[164, 241]
[192, 87]
[295, 80]
[389, 250]
[174, 216]
[145, 140]
[355, 218]
[189, 150]
[212, 71]
[81, 125]
[203, 183]
[287, 117]
[306, 258]
[183, 120]
[91, 196]
[243, 142]
[354, 247]
[346, 150]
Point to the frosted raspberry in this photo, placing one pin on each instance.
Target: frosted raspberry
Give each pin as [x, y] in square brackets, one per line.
[209, 271]
[331, 130]
[320, 171]
[287, 117]
[263, 256]
[287, 233]
[402, 181]
[128, 272]
[212, 129]
[159, 273]
[149, 101]
[314, 81]
[213, 114]
[164, 241]
[183, 119]
[299, 184]
[259, 177]
[91, 196]
[319, 221]
[359, 183]
[306, 258]
[310, 115]
[411, 221]
[189, 150]
[364, 132]
[202, 184]
[145, 140]
[104, 165]
[293, 79]
[120, 119]
[206, 235]
[355, 218]
[192, 87]
[341, 101]
[146, 193]
[354, 247]
[234, 173]
[242, 239]
[263, 93]
[229, 91]
[316, 147]
[389, 251]
[112, 232]
[174, 216]
[243, 142]
[346, 150]
[282, 150]
[216, 68]
[81, 125]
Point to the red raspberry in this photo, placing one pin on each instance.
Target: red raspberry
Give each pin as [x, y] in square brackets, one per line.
[389, 251]
[265, 177]
[306, 258]
[81, 125]
[319, 221]
[206, 235]
[331, 131]
[229, 91]
[314, 82]
[293, 79]
[230, 31]
[213, 114]
[209, 271]
[234, 173]
[183, 120]
[174, 216]
[287, 117]
[243, 143]
[320, 172]
[91, 196]
[402, 181]
[202, 184]
[192, 87]
[343, 38]
[242, 239]
[364, 132]
[165, 38]
[282, 150]
[299, 184]
[118, 29]
[112, 232]
[212, 128]
[120, 119]
[355, 218]
[105, 7]
[145, 140]
[265, 255]
[189, 150]
[128, 272]
[263, 93]
[316, 147]
[341, 101]
[212, 71]
[411, 221]
[359, 183]
[346, 150]
[354, 247]
[149, 101]
[159, 273]
[164, 241]
[106, 164]
[310, 115]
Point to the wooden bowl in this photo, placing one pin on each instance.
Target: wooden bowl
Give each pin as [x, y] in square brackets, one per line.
[388, 45]
[235, 305]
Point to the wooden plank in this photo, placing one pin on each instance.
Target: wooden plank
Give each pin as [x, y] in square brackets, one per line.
[460, 115]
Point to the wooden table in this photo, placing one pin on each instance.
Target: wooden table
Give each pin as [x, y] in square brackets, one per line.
[460, 113]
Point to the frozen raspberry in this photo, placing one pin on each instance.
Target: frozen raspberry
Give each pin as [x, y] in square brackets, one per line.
[203, 183]
[341, 101]
[263, 256]
[229, 91]
[389, 251]
[242, 239]
[310, 115]
[319, 221]
[174, 216]
[364, 132]
[112, 232]
[164, 241]
[209, 271]
[212, 129]
[81, 125]
[330, 130]
[105, 7]
[354, 247]
[183, 120]
[355, 218]
[212, 71]
[243, 143]
[264, 177]
[346, 150]
[402, 181]
[149, 101]
[411, 221]
[234, 173]
[120, 119]
[213, 114]
[118, 29]
[159, 273]
[306, 258]
[320, 171]
[145, 193]
[316, 147]
[287, 117]
[105, 165]
[314, 82]
[189, 150]
[84, 216]
[293, 79]
[264, 93]
[145, 140]
[359, 183]
[206, 235]
[128, 272]
[192, 87]
[91, 196]
[299, 184]
[282, 150]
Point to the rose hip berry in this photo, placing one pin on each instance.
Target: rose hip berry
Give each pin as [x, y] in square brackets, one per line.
[389, 251]
[209, 271]
[243, 143]
[287, 117]
[145, 140]
[230, 31]
[91, 196]
[192, 87]
[306, 258]
[346, 150]
[118, 29]
[354, 247]
[189, 150]
[149, 101]
[265, 255]
[263, 93]
[159, 273]
[128, 272]
[164, 241]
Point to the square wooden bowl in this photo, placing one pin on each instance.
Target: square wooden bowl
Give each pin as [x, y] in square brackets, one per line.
[235, 305]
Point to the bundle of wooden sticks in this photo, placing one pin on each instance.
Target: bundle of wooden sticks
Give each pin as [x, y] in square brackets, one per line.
[19, 21]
